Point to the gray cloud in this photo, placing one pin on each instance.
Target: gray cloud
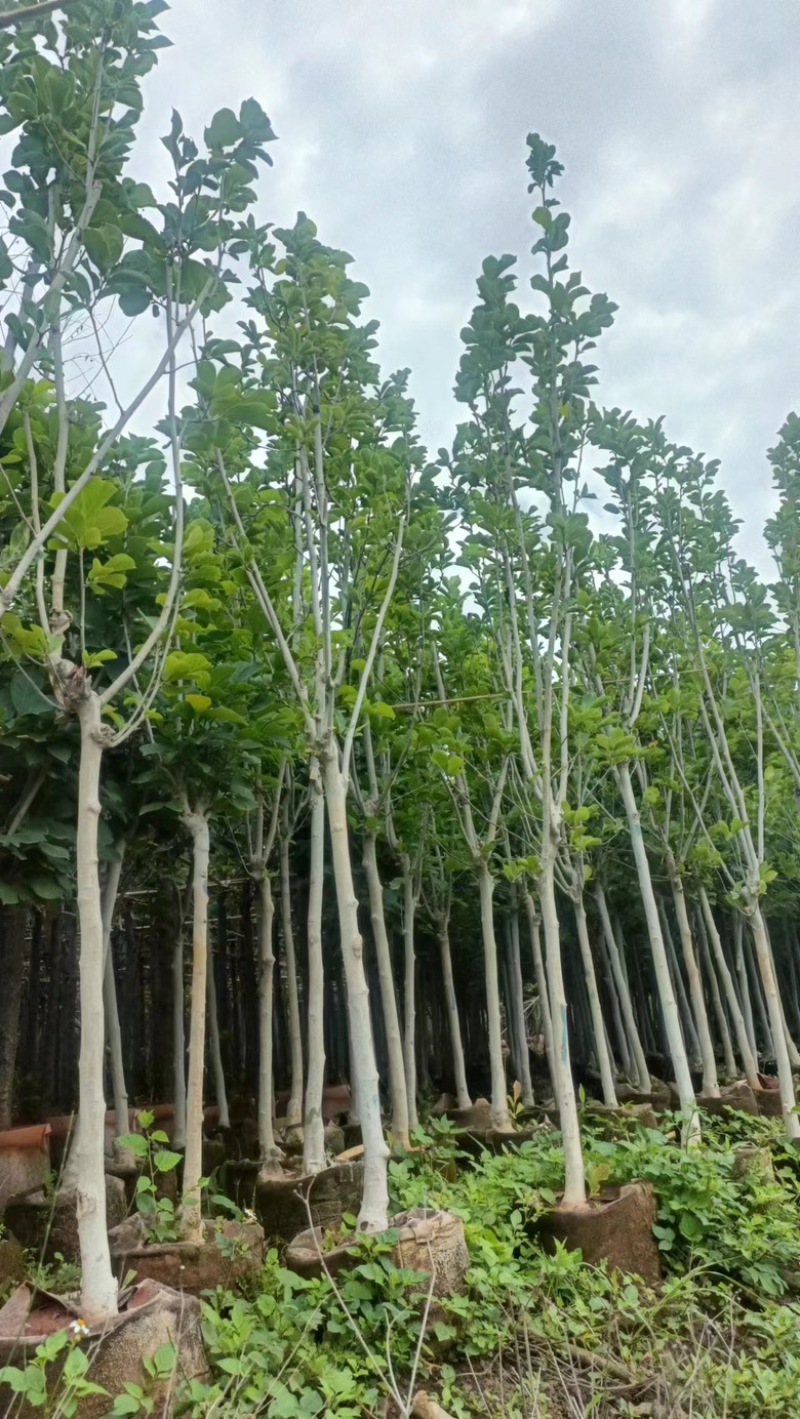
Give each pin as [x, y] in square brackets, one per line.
[402, 130]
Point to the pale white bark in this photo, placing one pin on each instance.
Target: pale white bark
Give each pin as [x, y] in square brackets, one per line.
[373, 1216]
[574, 1175]
[776, 1022]
[698, 1000]
[391, 1018]
[743, 1041]
[666, 994]
[499, 1101]
[220, 1092]
[456, 1044]
[409, 995]
[294, 1108]
[98, 1283]
[598, 1026]
[196, 821]
[313, 1126]
[269, 1153]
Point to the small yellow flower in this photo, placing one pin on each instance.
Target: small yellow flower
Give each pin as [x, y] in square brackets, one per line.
[249, 1214]
[79, 1329]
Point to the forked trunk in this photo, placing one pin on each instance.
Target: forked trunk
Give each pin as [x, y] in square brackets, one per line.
[98, 1283]
[313, 1125]
[409, 994]
[698, 1000]
[294, 1108]
[391, 1019]
[574, 1176]
[373, 1216]
[500, 1114]
[269, 1152]
[456, 1045]
[191, 1221]
[598, 1025]
[669, 1006]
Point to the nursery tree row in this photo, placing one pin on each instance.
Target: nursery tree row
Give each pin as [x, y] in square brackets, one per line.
[324, 759]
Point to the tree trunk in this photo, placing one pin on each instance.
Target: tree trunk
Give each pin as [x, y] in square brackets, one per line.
[269, 1152]
[746, 1051]
[98, 1283]
[518, 1006]
[373, 1216]
[459, 1069]
[108, 902]
[669, 1005]
[220, 1092]
[574, 1177]
[710, 1081]
[500, 1114]
[313, 1126]
[541, 985]
[689, 1031]
[744, 983]
[191, 1223]
[765, 964]
[294, 1108]
[598, 1027]
[409, 993]
[13, 938]
[623, 1043]
[179, 1039]
[719, 1008]
[391, 1019]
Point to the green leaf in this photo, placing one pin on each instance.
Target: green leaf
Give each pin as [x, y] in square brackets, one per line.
[134, 1143]
[45, 888]
[198, 702]
[27, 698]
[185, 665]
[164, 1161]
[690, 1227]
[224, 131]
[90, 522]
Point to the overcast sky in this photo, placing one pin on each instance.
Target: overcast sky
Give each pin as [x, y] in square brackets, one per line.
[402, 128]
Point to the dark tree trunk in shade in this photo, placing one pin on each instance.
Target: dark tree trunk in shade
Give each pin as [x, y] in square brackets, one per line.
[249, 996]
[28, 1055]
[13, 953]
[220, 960]
[52, 1032]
